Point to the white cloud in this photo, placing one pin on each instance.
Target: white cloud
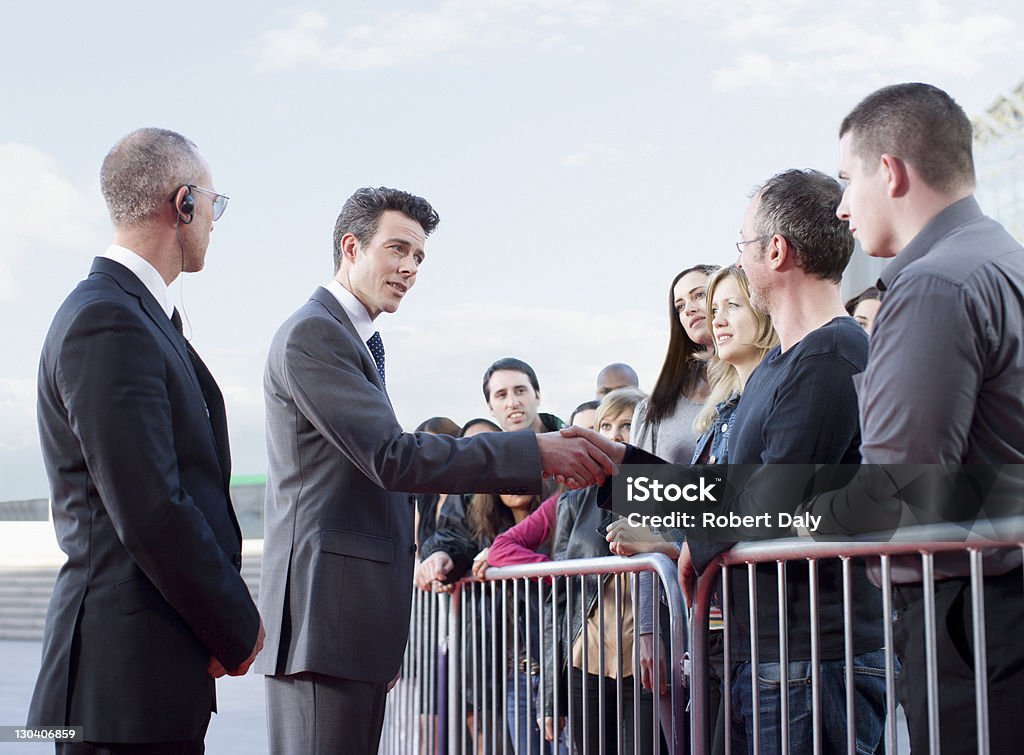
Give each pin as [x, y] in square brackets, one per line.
[811, 45]
[597, 153]
[41, 211]
[450, 26]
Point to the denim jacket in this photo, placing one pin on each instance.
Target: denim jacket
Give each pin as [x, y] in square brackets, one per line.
[716, 437]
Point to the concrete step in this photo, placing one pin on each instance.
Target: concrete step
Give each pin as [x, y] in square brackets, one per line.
[25, 596]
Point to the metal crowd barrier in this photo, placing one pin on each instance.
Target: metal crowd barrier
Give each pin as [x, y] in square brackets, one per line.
[459, 662]
[921, 541]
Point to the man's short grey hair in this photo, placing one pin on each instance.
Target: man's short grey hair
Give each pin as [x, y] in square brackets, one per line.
[143, 170]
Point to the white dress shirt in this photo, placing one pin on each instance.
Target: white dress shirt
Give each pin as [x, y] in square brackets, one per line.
[145, 272]
[356, 311]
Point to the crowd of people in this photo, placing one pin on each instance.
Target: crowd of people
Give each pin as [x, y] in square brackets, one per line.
[766, 365]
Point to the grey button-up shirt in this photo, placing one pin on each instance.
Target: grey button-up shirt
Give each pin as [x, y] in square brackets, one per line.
[945, 376]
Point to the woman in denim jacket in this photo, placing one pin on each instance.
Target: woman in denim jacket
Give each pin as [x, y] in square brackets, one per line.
[741, 337]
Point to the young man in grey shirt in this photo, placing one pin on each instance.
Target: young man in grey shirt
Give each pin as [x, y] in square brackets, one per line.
[945, 377]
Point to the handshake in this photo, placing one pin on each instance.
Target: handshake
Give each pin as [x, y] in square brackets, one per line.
[577, 457]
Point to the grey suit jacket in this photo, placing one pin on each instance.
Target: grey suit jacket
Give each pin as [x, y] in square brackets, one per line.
[338, 556]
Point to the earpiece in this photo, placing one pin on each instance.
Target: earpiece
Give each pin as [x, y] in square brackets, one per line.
[187, 208]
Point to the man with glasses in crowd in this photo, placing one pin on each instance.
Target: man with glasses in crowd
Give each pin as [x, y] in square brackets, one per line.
[800, 407]
[149, 607]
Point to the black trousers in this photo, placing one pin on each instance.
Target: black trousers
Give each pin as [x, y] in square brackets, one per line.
[187, 747]
[1004, 621]
[593, 721]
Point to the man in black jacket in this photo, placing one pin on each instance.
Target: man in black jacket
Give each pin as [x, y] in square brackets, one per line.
[149, 606]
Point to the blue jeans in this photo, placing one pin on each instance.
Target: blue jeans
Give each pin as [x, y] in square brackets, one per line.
[528, 738]
[869, 705]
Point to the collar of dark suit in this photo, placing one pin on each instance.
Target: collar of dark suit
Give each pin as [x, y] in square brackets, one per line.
[130, 284]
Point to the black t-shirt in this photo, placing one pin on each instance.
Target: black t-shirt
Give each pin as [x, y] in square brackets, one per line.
[800, 407]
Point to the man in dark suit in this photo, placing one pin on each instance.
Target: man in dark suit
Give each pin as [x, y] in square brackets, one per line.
[149, 606]
[338, 554]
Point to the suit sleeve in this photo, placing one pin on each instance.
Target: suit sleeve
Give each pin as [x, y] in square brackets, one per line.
[323, 372]
[112, 377]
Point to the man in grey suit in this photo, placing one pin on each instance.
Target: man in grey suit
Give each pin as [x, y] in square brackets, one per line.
[338, 555]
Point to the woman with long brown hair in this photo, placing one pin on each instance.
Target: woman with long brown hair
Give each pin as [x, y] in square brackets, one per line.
[663, 423]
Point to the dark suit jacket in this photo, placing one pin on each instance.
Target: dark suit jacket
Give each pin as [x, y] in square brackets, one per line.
[338, 554]
[139, 487]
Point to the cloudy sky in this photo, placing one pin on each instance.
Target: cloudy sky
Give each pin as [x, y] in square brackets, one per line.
[579, 152]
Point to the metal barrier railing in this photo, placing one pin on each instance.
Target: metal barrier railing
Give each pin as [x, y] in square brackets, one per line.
[457, 663]
[923, 541]
[461, 683]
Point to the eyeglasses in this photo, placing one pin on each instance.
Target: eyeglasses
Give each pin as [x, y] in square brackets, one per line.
[741, 244]
[220, 201]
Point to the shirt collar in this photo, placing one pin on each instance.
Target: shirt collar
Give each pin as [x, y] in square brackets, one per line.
[353, 308]
[960, 212]
[145, 272]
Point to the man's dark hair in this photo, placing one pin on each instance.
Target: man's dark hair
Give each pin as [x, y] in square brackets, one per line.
[513, 365]
[479, 421]
[868, 294]
[361, 213]
[920, 124]
[800, 205]
[584, 407]
[439, 426]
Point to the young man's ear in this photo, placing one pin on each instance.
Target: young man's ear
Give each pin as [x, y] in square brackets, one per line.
[894, 171]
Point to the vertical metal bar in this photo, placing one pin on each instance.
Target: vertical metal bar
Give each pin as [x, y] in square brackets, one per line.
[515, 663]
[637, 686]
[851, 717]
[430, 682]
[681, 635]
[727, 661]
[931, 665]
[412, 677]
[495, 668]
[620, 743]
[555, 666]
[586, 664]
[780, 567]
[544, 671]
[602, 702]
[812, 581]
[570, 705]
[475, 621]
[482, 717]
[890, 657]
[656, 667]
[752, 601]
[457, 712]
[980, 655]
[528, 691]
[504, 665]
